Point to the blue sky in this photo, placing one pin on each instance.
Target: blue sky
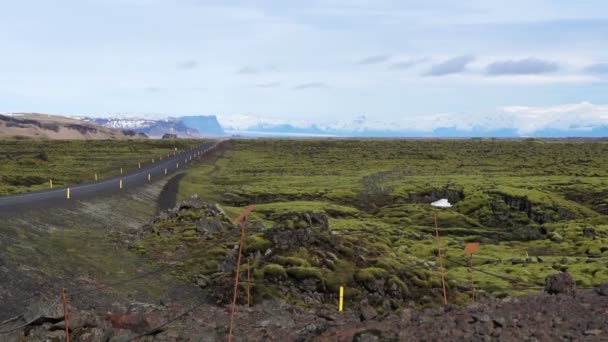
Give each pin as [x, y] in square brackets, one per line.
[303, 60]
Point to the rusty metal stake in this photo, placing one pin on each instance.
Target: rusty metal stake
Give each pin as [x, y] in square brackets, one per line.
[65, 315]
[240, 220]
[236, 281]
[472, 281]
[248, 282]
[445, 295]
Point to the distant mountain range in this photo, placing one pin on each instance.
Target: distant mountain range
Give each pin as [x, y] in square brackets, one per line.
[499, 125]
[443, 126]
[183, 127]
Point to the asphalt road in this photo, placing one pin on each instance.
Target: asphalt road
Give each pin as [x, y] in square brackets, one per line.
[131, 180]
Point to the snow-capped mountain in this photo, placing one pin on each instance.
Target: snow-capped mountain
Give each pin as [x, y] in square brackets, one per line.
[117, 123]
[183, 127]
[572, 120]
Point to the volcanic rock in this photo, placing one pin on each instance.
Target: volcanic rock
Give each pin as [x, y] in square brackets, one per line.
[560, 283]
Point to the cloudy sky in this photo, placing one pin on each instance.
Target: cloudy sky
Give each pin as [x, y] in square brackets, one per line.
[313, 60]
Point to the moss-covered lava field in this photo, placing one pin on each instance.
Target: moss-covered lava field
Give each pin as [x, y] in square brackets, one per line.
[357, 213]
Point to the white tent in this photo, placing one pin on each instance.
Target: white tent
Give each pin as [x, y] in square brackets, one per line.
[442, 203]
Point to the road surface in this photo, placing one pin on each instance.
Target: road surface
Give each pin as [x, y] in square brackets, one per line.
[147, 174]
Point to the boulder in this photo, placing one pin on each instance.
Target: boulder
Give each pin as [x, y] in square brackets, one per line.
[367, 311]
[602, 290]
[589, 232]
[191, 203]
[208, 227]
[560, 283]
[301, 220]
[80, 319]
[283, 239]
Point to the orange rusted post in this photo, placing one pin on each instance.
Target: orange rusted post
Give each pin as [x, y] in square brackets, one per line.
[240, 220]
[65, 315]
[472, 281]
[248, 281]
[471, 248]
[445, 295]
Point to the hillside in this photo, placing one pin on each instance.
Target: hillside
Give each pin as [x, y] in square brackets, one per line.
[184, 127]
[43, 126]
[151, 128]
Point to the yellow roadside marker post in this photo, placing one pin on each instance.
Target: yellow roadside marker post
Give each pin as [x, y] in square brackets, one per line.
[139, 165]
[95, 176]
[50, 183]
[341, 304]
[121, 170]
[67, 194]
[120, 184]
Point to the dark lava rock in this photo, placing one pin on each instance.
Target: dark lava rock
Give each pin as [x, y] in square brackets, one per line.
[366, 336]
[367, 311]
[300, 220]
[191, 203]
[589, 232]
[525, 318]
[602, 290]
[290, 239]
[560, 283]
[208, 227]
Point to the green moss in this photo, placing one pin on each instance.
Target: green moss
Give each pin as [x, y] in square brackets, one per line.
[373, 193]
[394, 280]
[274, 271]
[343, 275]
[261, 293]
[370, 273]
[192, 215]
[292, 261]
[305, 272]
[254, 243]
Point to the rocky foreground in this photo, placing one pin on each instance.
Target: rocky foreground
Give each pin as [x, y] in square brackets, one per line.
[570, 315]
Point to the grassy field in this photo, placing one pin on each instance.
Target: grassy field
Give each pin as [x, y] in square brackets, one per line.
[28, 165]
[537, 207]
